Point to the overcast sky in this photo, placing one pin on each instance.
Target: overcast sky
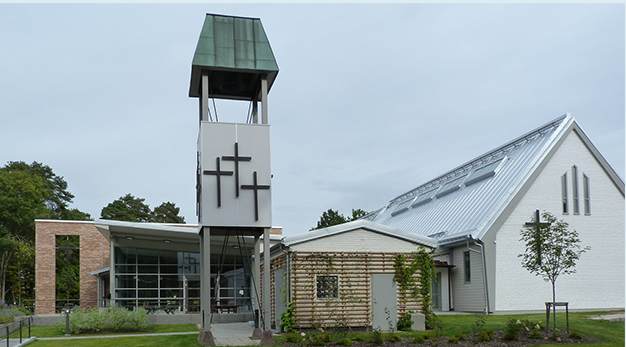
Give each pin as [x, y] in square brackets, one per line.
[371, 100]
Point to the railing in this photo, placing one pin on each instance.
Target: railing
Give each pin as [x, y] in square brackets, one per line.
[14, 328]
[186, 305]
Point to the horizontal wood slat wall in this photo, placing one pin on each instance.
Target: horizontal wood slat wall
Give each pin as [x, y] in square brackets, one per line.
[354, 306]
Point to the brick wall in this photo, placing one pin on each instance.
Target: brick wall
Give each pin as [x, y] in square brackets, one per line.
[94, 255]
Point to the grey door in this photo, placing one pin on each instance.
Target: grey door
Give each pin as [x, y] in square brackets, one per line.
[279, 279]
[384, 302]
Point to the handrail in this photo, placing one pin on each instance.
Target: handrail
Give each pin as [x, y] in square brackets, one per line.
[12, 328]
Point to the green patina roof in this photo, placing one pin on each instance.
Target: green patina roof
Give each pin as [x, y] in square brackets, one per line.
[232, 48]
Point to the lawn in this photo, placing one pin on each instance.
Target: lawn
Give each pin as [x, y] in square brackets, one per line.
[611, 332]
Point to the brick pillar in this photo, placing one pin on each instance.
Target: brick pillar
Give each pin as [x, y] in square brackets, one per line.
[94, 255]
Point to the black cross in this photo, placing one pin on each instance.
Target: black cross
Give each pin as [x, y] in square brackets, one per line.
[218, 174]
[236, 158]
[67, 249]
[256, 188]
[538, 225]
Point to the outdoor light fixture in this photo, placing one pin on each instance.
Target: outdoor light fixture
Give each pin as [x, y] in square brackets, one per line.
[167, 241]
[129, 238]
[236, 246]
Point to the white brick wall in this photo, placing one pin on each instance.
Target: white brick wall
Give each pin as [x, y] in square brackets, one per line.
[599, 281]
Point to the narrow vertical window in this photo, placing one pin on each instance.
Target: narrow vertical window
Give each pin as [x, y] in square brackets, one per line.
[564, 192]
[466, 267]
[586, 192]
[575, 189]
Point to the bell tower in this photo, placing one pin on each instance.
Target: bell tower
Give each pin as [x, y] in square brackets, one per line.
[233, 60]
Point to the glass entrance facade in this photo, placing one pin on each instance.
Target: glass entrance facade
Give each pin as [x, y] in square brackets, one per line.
[169, 279]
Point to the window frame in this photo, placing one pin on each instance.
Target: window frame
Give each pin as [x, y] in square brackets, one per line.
[586, 195]
[575, 195]
[564, 203]
[317, 285]
[467, 267]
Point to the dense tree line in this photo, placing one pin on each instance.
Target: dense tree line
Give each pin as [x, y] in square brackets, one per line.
[34, 191]
[333, 217]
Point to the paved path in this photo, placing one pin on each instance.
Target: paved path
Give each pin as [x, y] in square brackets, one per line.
[233, 334]
[613, 317]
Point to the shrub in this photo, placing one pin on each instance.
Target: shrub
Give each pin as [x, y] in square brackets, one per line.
[317, 340]
[377, 337]
[512, 330]
[393, 338]
[574, 334]
[453, 339]
[117, 317]
[485, 335]
[138, 320]
[418, 339]
[94, 320]
[536, 334]
[344, 342]
[4, 318]
[405, 322]
[460, 335]
[358, 338]
[292, 337]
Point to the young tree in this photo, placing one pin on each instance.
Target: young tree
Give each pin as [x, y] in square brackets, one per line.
[551, 249]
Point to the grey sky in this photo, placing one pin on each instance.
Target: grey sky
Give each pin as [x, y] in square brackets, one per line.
[371, 100]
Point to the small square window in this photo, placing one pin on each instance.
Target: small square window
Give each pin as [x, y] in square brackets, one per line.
[327, 287]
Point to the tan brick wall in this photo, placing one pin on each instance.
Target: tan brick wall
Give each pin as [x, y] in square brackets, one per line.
[94, 255]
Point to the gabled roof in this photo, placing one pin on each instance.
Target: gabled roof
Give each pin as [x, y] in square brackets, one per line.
[465, 201]
[354, 225]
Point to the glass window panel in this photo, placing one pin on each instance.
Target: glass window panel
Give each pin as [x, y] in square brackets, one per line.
[424, 197]
[147, 256]
[483, 172]
[148, 269]
[147, 281]
[586, 193]
[172, 293]
[125, 281]
[169, 269]
[327, 287]
[451, 186]
[125, 293]
[168, 257]
[403, 206]
[171, 281]
[575, 189]
[148, 294]
[564, 192]
[227, 292]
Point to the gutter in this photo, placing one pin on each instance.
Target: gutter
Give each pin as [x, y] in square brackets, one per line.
[480, 244]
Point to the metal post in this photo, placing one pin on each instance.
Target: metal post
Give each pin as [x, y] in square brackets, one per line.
[20, 331]
[267, 310]
[67, 322]
[8, 336]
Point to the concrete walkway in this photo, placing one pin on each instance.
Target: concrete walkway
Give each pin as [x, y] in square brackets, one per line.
[613, 317]
[233, 334]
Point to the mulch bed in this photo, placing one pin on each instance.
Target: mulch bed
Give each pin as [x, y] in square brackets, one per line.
[497, 341]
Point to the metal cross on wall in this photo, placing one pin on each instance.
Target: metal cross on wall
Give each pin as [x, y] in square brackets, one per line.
[218, 174]
[236, 158]
[537, 224]
[256, 188]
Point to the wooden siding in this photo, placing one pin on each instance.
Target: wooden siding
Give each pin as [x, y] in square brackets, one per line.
[353, 307]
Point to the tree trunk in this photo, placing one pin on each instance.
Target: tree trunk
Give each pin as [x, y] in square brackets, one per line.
[554, 304]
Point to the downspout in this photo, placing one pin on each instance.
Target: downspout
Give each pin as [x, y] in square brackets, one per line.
[479, 243]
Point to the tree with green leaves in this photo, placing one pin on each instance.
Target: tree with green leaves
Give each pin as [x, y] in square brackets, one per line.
[131, 209]
[167, 212]
[333, 217]
[551, 249]
[27, 192]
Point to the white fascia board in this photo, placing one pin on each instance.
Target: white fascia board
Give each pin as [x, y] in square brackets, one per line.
[359, 224]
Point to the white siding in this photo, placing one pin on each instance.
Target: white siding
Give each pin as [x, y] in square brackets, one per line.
[599, 281]
[467, 297]
[359, 240]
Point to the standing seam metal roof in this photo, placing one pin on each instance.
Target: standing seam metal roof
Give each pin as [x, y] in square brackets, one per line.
[471, 209]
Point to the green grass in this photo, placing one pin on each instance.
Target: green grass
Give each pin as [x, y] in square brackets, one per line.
[611, 332]
[53, 331]
[147, 341]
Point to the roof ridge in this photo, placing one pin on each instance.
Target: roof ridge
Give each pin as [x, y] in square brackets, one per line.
[482, 160]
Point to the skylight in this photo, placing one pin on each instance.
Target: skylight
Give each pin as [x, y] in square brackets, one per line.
[402, 207]
[483, 172]
[451, 186]
[424, 198]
